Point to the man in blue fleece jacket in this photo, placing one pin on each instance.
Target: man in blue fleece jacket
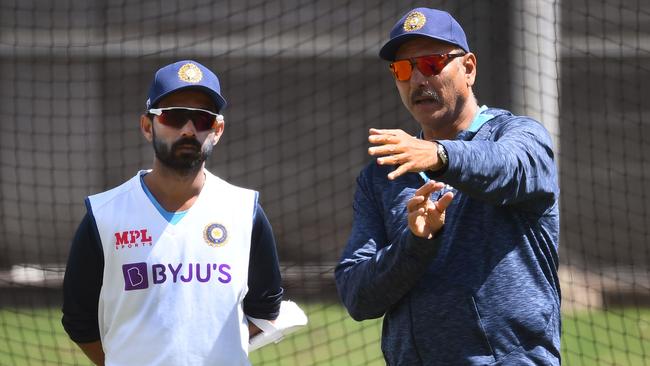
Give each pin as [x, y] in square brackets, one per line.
[482, 288]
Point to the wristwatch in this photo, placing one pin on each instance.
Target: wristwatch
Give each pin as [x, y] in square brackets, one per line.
[442, 155]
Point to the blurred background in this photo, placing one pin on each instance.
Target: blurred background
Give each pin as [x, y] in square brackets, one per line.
[304, 83]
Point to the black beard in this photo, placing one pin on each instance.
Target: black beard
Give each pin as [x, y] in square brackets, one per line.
[186, 162]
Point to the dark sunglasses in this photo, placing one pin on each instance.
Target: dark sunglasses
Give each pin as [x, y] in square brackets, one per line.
[428, 65]
[177, 117]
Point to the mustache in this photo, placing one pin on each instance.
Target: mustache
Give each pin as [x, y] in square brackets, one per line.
[425, 92]
[186, 141]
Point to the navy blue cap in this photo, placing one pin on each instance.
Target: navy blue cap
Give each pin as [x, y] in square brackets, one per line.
[185, 74]
[424, 22]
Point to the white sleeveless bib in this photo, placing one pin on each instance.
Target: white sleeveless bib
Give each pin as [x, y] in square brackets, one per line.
[172, 294]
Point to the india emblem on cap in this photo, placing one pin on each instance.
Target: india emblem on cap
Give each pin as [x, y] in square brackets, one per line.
[414, 21]
[190, 73]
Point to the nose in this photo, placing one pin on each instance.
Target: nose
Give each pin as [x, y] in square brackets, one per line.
[188, 128]
[417, 78]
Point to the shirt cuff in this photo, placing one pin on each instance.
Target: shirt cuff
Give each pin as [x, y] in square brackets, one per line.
[427, 248]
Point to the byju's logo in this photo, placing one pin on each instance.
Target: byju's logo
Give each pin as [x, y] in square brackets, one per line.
[135, 276]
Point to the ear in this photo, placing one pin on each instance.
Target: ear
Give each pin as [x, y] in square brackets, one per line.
[218, 131]
[469, 64]
[146, 126]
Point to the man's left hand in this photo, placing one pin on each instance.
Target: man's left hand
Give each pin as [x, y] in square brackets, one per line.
[426, 218]
[396, 147]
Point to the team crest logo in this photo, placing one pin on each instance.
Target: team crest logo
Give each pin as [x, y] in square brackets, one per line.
[190, 73]
[414, 21]
[215, 235]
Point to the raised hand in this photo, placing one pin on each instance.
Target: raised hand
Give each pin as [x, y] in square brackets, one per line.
[410, 154]
[426, 218]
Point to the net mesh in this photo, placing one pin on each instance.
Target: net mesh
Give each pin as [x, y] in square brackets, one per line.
[304, 84]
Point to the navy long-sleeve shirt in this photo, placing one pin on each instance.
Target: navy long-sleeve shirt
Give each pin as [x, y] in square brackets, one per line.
[485, 289]
[83, 278]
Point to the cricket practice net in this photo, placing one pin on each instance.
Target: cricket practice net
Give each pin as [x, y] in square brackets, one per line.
[304, 84]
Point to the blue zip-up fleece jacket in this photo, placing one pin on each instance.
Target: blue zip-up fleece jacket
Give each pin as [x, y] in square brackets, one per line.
[484, 290]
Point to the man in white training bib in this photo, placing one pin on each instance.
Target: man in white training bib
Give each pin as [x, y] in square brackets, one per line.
[165, 268]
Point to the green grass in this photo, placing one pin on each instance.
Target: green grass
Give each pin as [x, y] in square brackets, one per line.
[331, 338]
[35, 337]
[617, 337]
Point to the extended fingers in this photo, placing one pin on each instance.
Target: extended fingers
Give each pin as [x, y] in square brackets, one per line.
[383, 139]
[392, 159]
[444, 202]
[421, 196]
[387, 149]
[382, 131]
[415, 203]
[429, 187]
[400, 170]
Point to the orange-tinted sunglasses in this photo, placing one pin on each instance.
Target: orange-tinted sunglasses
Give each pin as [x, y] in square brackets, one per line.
[428, 65]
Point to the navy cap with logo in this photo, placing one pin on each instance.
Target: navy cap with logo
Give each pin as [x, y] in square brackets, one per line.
[186, 74]
[424, 22]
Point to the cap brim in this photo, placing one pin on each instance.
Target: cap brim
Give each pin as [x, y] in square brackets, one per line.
[388, 51]
[219, 101]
